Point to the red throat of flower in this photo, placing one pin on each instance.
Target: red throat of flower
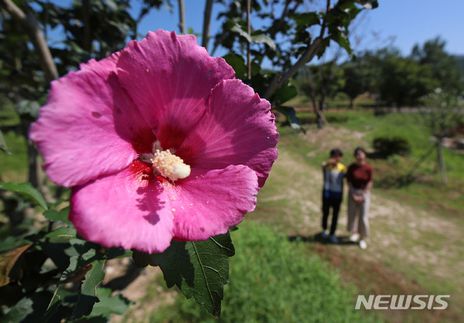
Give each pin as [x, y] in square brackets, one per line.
[165, 163]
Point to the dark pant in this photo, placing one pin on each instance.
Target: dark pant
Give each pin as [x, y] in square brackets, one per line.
[330, 201]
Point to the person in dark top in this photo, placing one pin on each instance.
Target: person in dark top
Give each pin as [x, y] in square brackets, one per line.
[360, 179]
[332, 192]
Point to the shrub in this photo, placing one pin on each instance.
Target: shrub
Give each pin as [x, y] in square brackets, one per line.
[389, 146]
[273, 280]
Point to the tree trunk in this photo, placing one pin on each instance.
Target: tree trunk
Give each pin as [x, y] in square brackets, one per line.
[441, 161]
[320, 120]
[314, 104]
[181, 8]
[32, 157]
[206, 23]
[35, 174]
[351, 104]
[320, 113]
[87, 41]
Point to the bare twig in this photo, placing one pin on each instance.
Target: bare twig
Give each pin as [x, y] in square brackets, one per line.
[248, 10]
[36, 34]
[307, 56]
[206, 23]
[181, 6]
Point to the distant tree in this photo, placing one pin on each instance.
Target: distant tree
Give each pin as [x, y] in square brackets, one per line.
[460, 62]
[443, 67]
[441, 114]
[402, 80]
[360, 76]
[354, 81]
[320, 82]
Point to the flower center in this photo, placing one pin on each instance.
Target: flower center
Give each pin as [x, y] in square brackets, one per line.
[167, 164]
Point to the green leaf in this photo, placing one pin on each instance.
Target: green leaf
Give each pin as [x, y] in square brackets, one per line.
[88, 296]
[108, 304]
[26, 190]
[3, 146]
[199, 269]
[284, 94]
[264, 39]
[237, 63]
[238, 29]
[62, 234]
[12, 242]
[343, 41]
[256, 38]
[20, 311]
[306, 19]
[93, 278]
[54, 215]
[323, 46]
[369, 4]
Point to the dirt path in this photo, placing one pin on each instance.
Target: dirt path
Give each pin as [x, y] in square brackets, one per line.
[410, 250]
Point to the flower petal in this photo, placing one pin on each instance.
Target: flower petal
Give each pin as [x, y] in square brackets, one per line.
[86, 129]
[238, 128]
[124, 210]
[209, 204]
[169, 77]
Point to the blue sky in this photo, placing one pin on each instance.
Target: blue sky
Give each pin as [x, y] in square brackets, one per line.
[400, 22]
[413, 21]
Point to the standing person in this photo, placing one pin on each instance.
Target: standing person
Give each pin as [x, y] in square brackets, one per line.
[359, 177]
[332, 193]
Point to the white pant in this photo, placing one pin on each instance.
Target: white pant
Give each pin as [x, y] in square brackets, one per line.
[358, 213]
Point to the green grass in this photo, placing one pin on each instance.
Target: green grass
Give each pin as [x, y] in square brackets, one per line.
[14, 166]
[273, 280]
[8, 116]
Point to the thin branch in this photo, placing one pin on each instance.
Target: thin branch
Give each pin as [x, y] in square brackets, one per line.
[278, 24]
[206, 23]
[283, 77]
[181, 16]
[36, 34]
[248, 22]
[87, 41]
[307, 56]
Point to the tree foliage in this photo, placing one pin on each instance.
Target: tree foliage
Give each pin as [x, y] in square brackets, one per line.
[441, 66]
[320, 82]
[403, 81]
[441, 114]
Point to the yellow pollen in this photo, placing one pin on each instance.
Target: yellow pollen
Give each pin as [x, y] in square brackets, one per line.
[170, 165]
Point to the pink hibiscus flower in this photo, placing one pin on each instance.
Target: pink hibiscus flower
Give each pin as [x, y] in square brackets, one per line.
[157, 142]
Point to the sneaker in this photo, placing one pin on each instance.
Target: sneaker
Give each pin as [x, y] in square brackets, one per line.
[324, 235]
[354, 237]
[362, 244]
[333, 239]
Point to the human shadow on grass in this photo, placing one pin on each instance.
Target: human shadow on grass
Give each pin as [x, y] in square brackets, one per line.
[318, 238]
